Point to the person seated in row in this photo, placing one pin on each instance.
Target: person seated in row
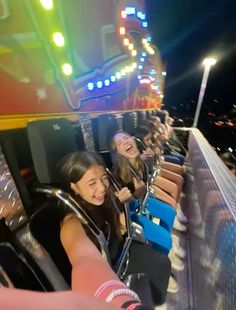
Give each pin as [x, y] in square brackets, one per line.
[125, 154]
[170, 152]
[85, 175]
[172, 137]
[146, 146]
[88, 264]
[146, 137]
[168, 162]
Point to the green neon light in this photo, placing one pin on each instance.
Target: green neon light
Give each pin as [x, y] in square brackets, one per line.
[67, 69]
[47, 4]
[58, 39]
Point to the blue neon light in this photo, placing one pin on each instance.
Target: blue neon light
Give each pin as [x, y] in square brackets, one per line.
[140, 67]
[90, 86]
[144, 54]
[141, 15]
[107, 82]
[142, 59]
[130, 10]
[99, 84]
[113, 78]
[145, 24]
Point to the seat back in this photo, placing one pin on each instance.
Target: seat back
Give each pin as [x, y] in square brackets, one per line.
[16, 271]
[50, 141]
[45, 227]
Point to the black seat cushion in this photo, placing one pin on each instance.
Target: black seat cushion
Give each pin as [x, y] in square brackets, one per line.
[45, 227]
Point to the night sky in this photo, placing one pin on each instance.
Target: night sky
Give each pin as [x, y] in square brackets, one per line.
[187, 31]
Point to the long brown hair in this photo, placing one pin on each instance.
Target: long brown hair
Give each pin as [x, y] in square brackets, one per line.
[72, 169]
[121, 165]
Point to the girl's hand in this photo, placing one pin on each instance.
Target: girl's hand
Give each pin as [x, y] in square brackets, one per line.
[124, 195]
[147, 154]
[140, 188]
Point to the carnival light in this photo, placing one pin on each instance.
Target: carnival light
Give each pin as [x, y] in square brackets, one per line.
[126, 41]
[123, 14]
[131, 46]
[47, 4]
[113, 78]
[134, 53]
[90, 86]
[58, 39]
[145, 24]
[122, 31]
[107, 82]
[145, 81]
[141, 15]
[99, 84]
[130, 10]
[163, 73]
[118, 75]
[67, 69]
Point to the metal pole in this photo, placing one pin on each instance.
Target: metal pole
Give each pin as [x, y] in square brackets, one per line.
[201, 94]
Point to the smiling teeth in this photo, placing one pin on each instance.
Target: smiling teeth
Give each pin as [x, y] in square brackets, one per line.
[129, 147]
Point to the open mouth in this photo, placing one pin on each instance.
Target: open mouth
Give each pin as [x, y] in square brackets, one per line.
[130, 148]
[100, 197]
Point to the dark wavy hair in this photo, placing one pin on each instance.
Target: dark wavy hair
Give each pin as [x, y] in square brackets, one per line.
[72, 168]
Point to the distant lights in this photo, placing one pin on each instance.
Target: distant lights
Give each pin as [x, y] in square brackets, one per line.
[134, 53]
[130, 10]
[145, 81]
[142, 59]
[107, 82]
[154, 87]
[123, 14]
[141, 15]
[145, 24]
[67, 69]
[126, 41]
[122, 31]
[163, 73]
[58, 39]
[147, 46]
[130, 46]
[90, 86]
[230, 149]
[99, 84]
[140, 67]
[162, 96]
[47, 4]
[118, 75]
